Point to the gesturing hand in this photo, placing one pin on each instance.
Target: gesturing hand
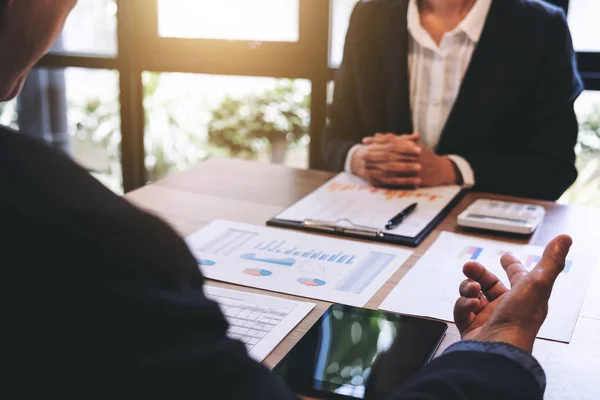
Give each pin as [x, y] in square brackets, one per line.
[487, 311]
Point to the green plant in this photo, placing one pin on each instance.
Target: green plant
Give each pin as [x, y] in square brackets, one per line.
[171, 141]
[248, 125]
[589, 136]
[98, 122]
[8, 114]
[586, 190]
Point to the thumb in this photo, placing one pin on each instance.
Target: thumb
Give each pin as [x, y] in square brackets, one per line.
[553, 260]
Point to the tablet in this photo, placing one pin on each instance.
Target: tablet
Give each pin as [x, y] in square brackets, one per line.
[356, 353]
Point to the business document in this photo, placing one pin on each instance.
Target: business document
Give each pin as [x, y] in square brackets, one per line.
[260, 322]
[347, 197]
[300, 264]
[430, 288]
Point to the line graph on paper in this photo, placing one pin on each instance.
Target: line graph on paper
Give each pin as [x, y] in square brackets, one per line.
[351, 198]
[388, 194]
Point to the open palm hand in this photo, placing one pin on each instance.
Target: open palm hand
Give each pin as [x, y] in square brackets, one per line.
[488, 311]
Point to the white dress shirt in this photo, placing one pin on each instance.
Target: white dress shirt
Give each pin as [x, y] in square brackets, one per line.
[436, 73]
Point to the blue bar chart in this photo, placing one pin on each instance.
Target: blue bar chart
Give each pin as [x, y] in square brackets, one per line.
[299, 264]
[282, 247]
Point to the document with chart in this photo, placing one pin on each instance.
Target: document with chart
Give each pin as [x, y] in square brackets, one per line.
[430, 288]
[260, 322]
[300, 264]
[349, 200]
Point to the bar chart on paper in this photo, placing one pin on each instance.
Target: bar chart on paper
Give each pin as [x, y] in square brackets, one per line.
[439, 273]
[472, 252]
[295, 263]
[281, 247]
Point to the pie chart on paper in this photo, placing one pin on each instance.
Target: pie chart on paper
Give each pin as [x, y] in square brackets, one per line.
[312, 282]
[257, 272]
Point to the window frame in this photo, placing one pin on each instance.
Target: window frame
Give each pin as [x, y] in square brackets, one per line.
[141, 49]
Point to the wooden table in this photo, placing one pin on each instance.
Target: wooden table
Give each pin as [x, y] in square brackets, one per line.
[253, 193]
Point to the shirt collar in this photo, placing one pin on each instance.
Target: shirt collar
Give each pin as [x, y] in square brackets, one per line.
[474, 22]
[472, 25]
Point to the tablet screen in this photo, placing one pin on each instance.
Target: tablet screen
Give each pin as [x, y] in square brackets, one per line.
[351, 352]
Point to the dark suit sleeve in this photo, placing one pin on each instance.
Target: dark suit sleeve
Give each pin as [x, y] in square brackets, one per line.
[133, 314]
[170, 334]
[541, 165]
[344, 121]
[467, 375]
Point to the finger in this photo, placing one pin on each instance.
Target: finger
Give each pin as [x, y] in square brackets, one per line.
[382, 138]
[514, 269]
[396, 168]
[552, 262]
[464, 314]
[491, 286]
[471, 289]
[414, 137]
[382, 179]
[386, 137]
[400, 147]
[387, 155]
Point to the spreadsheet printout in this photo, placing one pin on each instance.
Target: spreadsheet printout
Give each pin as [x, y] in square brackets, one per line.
[260, 322]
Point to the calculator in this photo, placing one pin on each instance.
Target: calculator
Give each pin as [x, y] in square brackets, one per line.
[502, 216]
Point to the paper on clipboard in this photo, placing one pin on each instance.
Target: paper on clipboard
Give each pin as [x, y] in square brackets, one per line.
[352, 198]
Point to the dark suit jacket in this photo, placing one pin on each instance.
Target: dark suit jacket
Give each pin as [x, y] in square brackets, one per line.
[513, 120]
[3, 4]
[103, 300]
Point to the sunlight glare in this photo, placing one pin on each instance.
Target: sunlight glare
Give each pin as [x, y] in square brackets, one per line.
[257, 20]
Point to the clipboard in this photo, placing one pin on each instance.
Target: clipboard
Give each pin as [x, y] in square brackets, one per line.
[342, 185]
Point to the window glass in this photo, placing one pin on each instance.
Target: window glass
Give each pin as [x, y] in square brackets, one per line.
[8, 114]
[340, 17]
[77, 111]
[586, 189]
[582, 18]
[583, 21]
[256, 20]
[330, 92]
[191, 117]
[91, 28]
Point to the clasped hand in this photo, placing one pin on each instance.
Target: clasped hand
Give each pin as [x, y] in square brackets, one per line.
[392, 160]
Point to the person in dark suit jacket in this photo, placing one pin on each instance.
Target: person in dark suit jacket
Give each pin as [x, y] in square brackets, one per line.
[472, 92]
[101, 299]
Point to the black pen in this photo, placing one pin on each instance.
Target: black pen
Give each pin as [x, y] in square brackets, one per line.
[397, 220]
